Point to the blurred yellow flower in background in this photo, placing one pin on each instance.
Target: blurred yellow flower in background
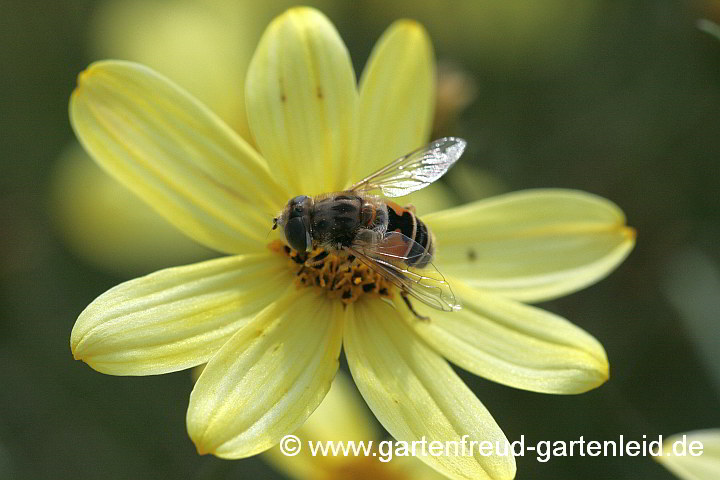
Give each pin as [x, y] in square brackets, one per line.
[514, 36]
[692, 467]
[272, 349]
[343, 417]
[107, 225]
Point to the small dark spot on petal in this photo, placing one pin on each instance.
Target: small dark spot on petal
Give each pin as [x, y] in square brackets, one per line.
[319, 92]
[471, 255]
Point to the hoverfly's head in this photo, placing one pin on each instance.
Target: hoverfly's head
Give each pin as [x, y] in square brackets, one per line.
[294, 222]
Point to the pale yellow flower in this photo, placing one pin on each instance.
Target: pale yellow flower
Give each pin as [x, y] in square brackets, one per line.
[684, 461]
[272, 349]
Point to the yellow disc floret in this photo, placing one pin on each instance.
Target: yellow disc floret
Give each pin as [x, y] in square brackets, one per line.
[340, 273]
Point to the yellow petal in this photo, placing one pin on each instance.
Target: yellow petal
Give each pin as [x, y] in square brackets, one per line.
[415, 393]
[677, 457]
[107, 225]
[397, 96]
[532, 245]
[301, 101]
[268, 378]
[342, 416]
[175, 318]
[513, 344]
[175, 154]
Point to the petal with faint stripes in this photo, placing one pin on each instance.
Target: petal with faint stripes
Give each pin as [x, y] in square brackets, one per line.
[416, 395]
[268, 378]
[301, 101]
[512, 343]
[397, 97]
[175, 318]
[532, 245]
[176, 155]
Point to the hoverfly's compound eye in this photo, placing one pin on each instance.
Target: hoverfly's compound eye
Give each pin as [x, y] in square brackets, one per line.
[297, 234]
[297, 226]
[299, 205]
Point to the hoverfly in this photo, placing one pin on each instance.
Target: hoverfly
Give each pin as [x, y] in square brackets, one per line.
[387, 237]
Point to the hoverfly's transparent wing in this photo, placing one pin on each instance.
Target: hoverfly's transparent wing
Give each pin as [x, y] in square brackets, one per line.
[415, 170]
[388, 258]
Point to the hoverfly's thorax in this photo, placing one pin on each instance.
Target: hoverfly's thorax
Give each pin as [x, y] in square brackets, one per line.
[336, 218]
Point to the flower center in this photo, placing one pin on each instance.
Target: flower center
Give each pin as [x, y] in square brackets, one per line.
[339, 273]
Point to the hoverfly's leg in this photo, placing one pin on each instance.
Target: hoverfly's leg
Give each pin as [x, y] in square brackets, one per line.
[311, 263]
[317, 260]
[405, 298]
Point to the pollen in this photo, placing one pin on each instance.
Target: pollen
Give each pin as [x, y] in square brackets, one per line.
[340, 274]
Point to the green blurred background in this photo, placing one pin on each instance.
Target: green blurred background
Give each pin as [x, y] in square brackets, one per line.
[621, 99]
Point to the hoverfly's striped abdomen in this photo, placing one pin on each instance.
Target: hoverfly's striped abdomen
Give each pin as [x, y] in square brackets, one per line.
[402, 220]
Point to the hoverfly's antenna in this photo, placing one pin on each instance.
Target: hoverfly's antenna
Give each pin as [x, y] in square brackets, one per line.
[275, 220]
